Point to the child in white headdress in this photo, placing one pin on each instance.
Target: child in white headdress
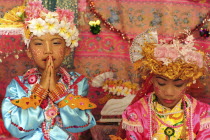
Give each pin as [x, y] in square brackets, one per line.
[46, 102]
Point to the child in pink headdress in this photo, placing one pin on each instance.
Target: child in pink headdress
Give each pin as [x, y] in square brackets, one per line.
[46, 102]
[163, 110]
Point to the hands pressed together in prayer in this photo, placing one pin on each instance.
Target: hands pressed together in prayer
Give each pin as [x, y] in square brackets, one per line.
[49, 81]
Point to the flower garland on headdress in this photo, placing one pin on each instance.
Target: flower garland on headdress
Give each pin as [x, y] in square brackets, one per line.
[174, 60]
[34, 19]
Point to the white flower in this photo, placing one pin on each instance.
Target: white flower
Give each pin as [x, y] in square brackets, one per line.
[19, 14]
[105, 88]
[111, 90]
[68, 42]
[74, 42]
[71, 37]
[119, 89]
[189, 39]
[52, 26]
[63, 28]
[38, 27]
[50, 15]
[75, 31]
[68, 35]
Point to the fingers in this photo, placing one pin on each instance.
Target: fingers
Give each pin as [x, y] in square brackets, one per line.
[48, 79]
[52, 78]
[48, 63]
[45, 79]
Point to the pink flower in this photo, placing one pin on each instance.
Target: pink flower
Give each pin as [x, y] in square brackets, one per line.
[160, 52]
[166, 53]
[51, 113]
[32, 79]
[194, 57]
[34, 9]
[172, 54]
[65, 13]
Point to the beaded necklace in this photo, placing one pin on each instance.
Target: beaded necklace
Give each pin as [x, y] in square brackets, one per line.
[171, 127]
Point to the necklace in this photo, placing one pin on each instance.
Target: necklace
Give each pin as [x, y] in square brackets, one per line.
[170, 127]
[165, 114]
[170, 113]
[189, 121]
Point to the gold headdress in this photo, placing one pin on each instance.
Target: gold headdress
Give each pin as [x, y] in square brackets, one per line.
[173, 60]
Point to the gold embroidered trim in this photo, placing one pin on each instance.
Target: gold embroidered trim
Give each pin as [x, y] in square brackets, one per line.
[76, 101]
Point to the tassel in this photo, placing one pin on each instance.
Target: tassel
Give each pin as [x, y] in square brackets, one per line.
[205, 126]
[138, 128]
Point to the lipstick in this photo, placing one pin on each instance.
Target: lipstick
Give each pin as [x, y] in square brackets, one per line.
[168, 101]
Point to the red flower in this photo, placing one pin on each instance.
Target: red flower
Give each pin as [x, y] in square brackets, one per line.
[44, 103]
[65, 79]
[32, 79]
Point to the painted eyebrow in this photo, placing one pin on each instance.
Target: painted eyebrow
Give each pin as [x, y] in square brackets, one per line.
[56, 38]
[43, 40]
[162, 78]
[37, 39]
[177, 80]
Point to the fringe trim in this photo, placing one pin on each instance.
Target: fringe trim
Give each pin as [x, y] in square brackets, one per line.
[135, 128]
[205, 126]
[11, 31]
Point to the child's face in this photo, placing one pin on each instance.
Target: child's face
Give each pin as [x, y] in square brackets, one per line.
[169, 92]
[42, 47]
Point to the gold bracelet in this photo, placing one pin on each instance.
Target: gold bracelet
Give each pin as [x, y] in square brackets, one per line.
[58, 92]
[39, 91]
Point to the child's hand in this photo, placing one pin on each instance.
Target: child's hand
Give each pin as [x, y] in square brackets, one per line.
[54, 88]
[45, 79]
[52, 83]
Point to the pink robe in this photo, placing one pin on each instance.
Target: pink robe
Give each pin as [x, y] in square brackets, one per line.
[136, 120]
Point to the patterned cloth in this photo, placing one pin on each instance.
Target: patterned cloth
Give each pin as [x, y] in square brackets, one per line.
[107, 50]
